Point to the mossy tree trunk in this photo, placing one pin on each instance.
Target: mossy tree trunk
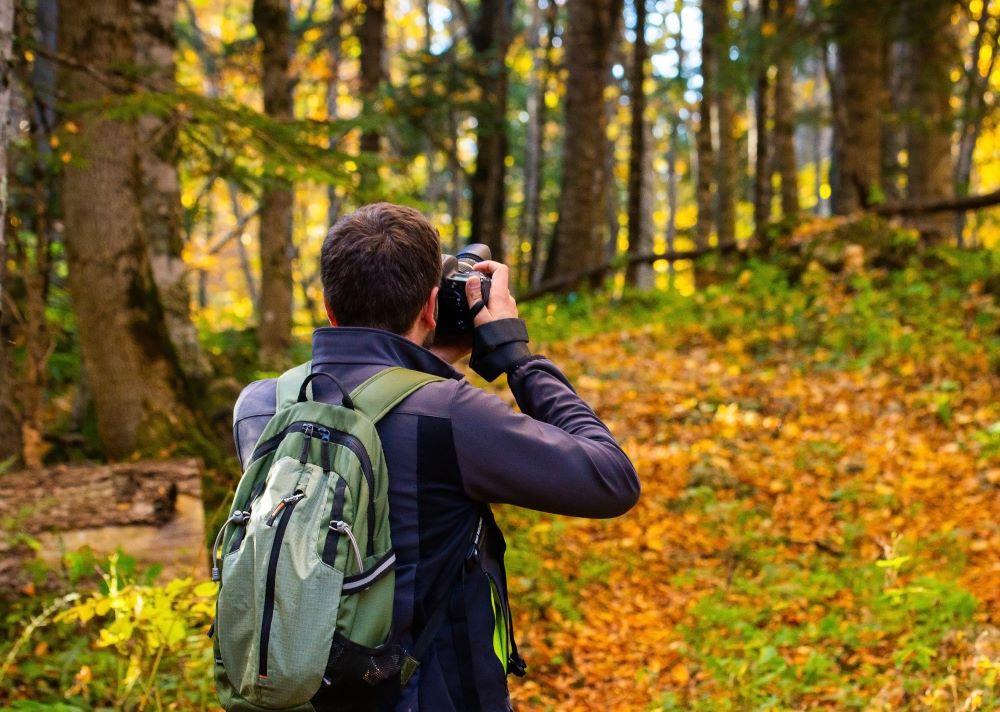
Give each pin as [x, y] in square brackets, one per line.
[126, 350]
[160, 192]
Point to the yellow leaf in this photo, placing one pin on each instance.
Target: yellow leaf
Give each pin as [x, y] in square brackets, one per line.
[679, 674]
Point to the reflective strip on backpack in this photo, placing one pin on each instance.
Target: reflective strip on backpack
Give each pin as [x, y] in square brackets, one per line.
[359, 582]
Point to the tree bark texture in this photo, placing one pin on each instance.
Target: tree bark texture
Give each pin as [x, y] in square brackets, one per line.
[930, 174]
[784, 110]
[161, 213]
[122, 331]
[859, 27]
[491, 36]
[271, 18]
[591, 30]
[640, 236]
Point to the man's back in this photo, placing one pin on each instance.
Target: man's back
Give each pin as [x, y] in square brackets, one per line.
[451, 449]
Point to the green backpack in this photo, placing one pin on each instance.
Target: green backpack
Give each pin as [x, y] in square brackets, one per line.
[306, 564]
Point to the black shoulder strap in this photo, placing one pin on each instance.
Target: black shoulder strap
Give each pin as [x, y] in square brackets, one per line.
[423, 642]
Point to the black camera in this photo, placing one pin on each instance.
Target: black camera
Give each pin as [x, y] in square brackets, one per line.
[454, 316]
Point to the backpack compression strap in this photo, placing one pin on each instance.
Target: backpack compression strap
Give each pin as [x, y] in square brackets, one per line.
[386, 389]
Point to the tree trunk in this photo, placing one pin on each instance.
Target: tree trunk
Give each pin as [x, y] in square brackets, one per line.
[897, 65]
[121, 326]
[784, 111]
[10, 440]
[705, 180]
[490, 40]
[974, 106]
[334, 49]
[859, 26]
[549, 70]
[535, 108]
[762, 152]
[672, 180]
[930, 172]
[6, 81]
[161, 213]
[34, 261]
[640, 236]
[727, 166]
[372, 38]
[591, 29]
[271, 18]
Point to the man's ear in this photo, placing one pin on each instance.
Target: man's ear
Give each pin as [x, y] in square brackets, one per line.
[428, 313]
[329, 313]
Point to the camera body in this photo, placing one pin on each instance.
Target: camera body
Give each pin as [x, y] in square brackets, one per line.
[454, 317]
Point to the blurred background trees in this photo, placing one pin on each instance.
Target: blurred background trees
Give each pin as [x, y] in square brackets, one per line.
[173, 165]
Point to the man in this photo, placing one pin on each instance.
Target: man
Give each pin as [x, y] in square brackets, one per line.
[451, 448]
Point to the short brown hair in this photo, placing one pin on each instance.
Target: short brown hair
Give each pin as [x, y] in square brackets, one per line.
[379, 265]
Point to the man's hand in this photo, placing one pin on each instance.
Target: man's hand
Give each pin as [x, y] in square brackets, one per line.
[501, 304]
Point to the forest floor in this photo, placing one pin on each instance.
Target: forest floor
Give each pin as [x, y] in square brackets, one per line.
[819, 451]
[818, 526]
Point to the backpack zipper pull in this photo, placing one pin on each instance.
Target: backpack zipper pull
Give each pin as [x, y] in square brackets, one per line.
[345, 528]
[307, 432]
[285, 501]
[324, 450]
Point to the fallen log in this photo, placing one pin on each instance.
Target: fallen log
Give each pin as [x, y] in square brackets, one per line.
[950, 205]
[151, 510]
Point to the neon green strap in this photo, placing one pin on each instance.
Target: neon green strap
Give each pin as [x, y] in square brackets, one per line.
[386, 389]
[287, 390]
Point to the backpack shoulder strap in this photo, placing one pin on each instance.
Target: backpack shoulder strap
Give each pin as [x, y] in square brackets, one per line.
[287, 389]
[386, 389]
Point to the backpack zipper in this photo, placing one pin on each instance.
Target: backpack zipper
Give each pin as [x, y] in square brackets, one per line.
[308, 428]
[283, 510]
[285, 502]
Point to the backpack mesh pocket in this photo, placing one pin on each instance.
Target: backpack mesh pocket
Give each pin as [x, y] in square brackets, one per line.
[351, 664]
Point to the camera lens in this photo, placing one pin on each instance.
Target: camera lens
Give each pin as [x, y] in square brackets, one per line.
[473, 254]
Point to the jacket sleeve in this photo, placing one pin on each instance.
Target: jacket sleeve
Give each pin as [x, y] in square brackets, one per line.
[251, 414]
[555, 456]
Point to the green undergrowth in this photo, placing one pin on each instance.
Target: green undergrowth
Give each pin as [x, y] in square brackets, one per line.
[829, 628]
[941, 302]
